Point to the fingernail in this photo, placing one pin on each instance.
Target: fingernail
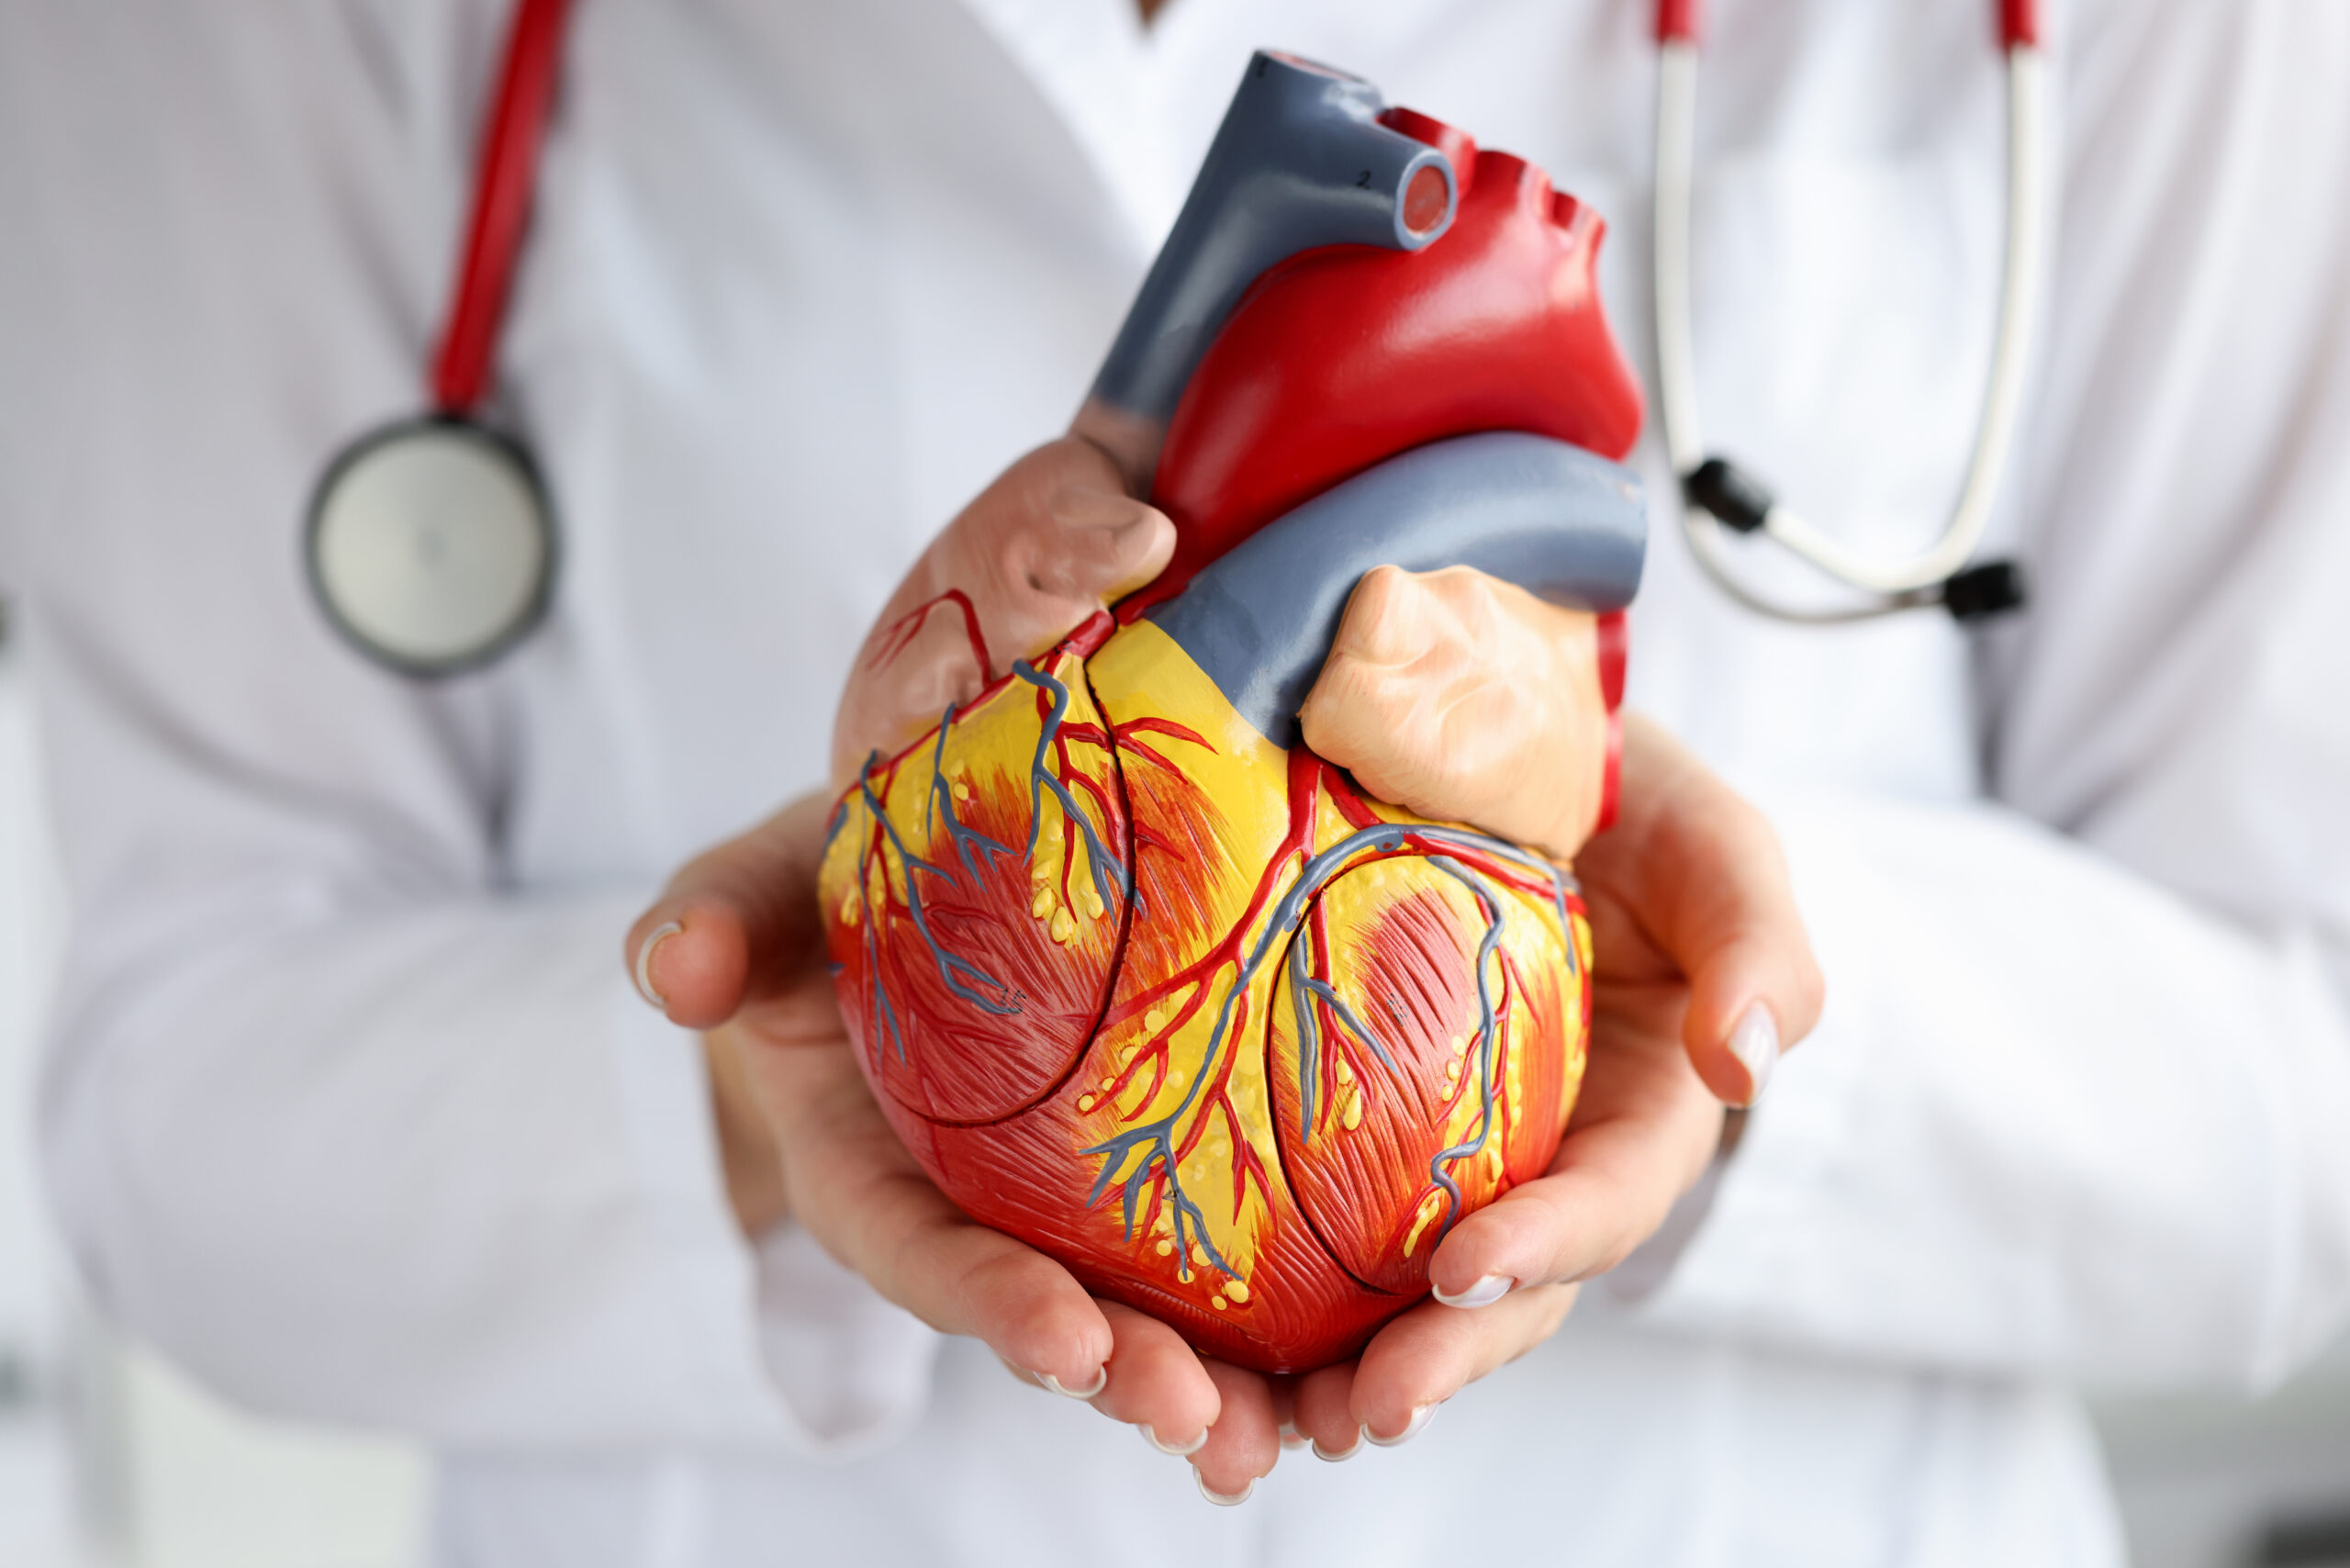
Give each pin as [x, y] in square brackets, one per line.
[1290, 1440]
[1755, 1044]
[660, 933]
[1088, 506]
[1484, 1293]
[1101, 1382]
[1419, 1418]
[1220, 1500]
[1336, 1456]
[1180, 1450]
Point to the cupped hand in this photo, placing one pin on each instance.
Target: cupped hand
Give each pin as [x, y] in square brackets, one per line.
[735, 948]
[1698, 937]
[1702, 972]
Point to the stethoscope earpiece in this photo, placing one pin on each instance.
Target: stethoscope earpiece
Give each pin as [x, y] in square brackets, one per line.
[431, 546]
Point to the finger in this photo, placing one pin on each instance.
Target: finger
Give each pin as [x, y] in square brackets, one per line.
[1103, 544]
[1704, 875]
[1433, 1352]
[859, 1192]
[1324, 1412]
[1156, 1382]
[737, 922]
[1049, 546]
[1285, 1389]
[1244, 1442]
[1033, 557]
[1616, 1178]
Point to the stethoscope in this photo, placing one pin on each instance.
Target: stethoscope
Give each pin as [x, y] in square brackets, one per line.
[1720, 498]
[431, 544]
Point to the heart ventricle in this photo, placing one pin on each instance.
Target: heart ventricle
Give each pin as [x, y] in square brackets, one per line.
[1186, 1010]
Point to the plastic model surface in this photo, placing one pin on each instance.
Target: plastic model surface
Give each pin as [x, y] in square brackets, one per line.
[1138, 976]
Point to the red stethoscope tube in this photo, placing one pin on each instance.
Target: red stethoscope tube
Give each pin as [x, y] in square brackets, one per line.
[507, 174]
[1677, 21]
[430, 542]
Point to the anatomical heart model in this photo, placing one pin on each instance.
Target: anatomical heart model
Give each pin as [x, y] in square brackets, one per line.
[1139, 977]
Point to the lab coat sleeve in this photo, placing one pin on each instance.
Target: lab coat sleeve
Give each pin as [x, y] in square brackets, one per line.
[341, 1119]
[2081, 1099]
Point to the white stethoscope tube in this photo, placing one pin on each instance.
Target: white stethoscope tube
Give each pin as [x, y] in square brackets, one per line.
[1894, 585]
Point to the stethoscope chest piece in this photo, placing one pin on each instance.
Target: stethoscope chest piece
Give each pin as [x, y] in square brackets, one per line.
[430, 546]
[430, 543]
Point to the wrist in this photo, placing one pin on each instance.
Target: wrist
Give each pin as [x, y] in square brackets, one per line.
[747, 1154]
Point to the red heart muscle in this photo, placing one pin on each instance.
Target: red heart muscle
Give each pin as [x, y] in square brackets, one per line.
[1175, 1004]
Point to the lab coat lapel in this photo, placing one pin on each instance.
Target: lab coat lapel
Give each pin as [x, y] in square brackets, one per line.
[1091, 62]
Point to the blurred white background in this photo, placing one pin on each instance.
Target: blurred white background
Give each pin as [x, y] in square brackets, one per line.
[111, 1460]
[107, 1458]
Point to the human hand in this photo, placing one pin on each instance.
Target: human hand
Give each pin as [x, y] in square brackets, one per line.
[1692, 916]
[746, 965]
[735, 947]
[1466, 698]
[1053, 541]
[1702, 969]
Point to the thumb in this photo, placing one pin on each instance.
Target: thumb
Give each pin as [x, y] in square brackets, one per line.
[736, 924]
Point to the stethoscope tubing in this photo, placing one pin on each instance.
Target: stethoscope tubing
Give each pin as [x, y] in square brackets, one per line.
[1894, 585]
[505, 183]
[464, 362]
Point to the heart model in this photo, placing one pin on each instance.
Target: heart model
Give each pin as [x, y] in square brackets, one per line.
[1140, 979]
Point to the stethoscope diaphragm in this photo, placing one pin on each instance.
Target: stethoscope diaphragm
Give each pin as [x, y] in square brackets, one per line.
[431, 545]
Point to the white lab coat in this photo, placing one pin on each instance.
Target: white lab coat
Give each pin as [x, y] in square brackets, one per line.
[350, 1111]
